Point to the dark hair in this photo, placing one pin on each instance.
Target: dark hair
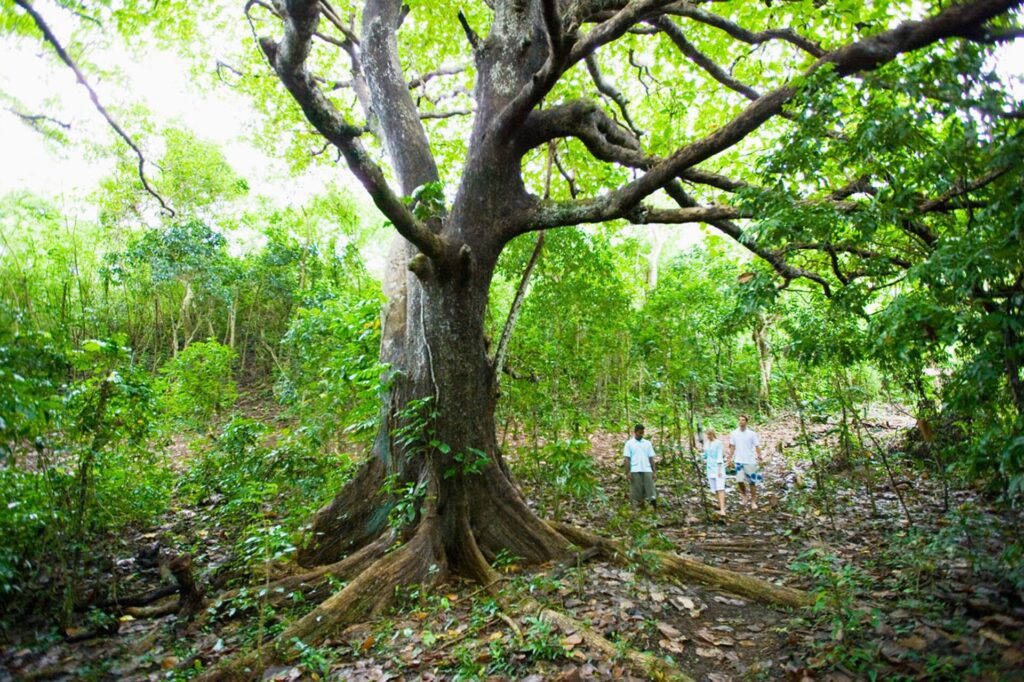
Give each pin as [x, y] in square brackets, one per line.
[743, 416]
[638, 427]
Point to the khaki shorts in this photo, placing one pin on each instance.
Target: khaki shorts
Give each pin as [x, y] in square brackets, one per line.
[641, 486]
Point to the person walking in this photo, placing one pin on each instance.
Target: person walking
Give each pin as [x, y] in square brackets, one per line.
[714, 463]
[639, 455]
[745, 454]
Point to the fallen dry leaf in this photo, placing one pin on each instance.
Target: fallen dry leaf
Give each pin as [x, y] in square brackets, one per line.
[994, 636]
[571, 641]
[671, 646]
[669, 631]
[914, 642]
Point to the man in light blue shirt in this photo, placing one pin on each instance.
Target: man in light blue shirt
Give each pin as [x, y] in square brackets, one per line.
[639, 454]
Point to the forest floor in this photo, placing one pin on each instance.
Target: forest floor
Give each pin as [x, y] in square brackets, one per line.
[932, 596]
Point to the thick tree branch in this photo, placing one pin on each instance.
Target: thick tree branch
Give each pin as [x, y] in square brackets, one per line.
[393, 105]
[614, 27]
[863, 55]
[995, 36]
[946, 200]
[602, 12]
[688, 214]
[288, 60]
[678, 37]
[351, 39]
[834, 249]
[445, 114]
[918, 229]
[961, 20]
[471, 36]
[567, 175]
[858, 185]
[688, 10]
[566, 51]
[66, 58]
[774, 258]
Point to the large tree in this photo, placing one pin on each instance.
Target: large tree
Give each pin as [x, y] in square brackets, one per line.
[710, 86]
[526, 95]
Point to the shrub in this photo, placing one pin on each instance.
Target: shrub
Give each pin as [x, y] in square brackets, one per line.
[563, 470]
[200, 385]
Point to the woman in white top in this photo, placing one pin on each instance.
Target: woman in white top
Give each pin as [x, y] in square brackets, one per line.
[714, 461]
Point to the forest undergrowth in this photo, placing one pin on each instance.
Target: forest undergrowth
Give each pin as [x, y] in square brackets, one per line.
[910, 579]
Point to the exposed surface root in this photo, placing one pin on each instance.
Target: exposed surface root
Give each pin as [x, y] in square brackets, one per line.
[121, 603]
[645, 665]
[151, 611]
[314, 584]
[465, 554]
[670, 565]
[420, 561]
[190, 597]
[501, 520]
[353, 518]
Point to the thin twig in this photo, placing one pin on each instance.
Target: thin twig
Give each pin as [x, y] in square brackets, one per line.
[35, 119]
[66, 58]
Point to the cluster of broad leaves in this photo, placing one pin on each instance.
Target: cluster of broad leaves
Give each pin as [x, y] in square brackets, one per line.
[932, 297]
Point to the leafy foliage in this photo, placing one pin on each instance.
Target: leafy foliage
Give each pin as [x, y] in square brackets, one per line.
[200, 383]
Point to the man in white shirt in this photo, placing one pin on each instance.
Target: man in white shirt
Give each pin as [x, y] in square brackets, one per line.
[745, 453]
[639, 456]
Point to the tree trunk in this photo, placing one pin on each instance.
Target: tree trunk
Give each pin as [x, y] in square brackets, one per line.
[444, 446]
[764, 362]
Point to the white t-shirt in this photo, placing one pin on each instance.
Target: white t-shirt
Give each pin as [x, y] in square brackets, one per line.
[639, 453]
[744, 441]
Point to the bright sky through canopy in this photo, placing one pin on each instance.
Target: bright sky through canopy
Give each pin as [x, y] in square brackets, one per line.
[160, 81]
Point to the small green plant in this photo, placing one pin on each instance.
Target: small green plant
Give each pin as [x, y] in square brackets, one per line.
[407, 501]
[504, 559]
[263, 495]
[315, 660]
[332, 380]
[643, 540]
[470, 462]
[541, 640]
[837, 588]
[427, 200]
[467, 663]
